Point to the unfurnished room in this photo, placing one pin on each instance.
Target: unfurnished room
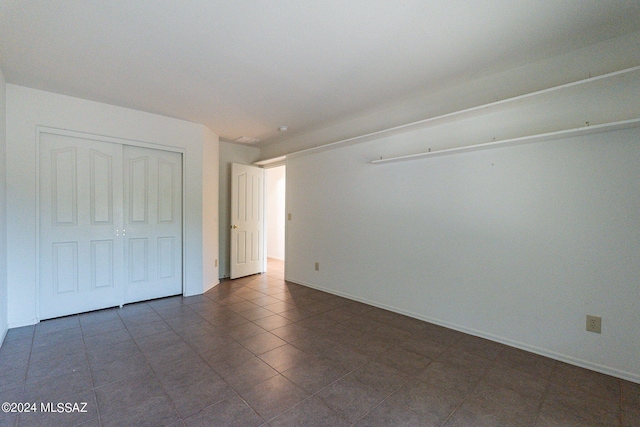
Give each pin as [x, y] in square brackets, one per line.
[320, 213]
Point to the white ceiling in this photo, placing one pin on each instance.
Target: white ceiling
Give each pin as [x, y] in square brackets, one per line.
[244, 68]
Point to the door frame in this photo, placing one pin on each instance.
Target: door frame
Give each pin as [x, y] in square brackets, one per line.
[101, 138]
[286, 220]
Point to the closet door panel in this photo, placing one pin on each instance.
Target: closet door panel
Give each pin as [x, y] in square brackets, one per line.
[153, 216]
[81, 266]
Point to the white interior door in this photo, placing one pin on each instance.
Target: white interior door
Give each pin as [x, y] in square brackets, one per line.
[247, 220]
[81, 266]
[152, 223]
[110, 224]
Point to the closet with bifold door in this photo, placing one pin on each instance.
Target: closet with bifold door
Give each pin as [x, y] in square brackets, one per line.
[110, 223]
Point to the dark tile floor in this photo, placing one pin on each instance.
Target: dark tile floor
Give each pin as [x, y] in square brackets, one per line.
[261, 351]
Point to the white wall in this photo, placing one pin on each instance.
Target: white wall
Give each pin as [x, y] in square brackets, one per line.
[514, 244]
[29, 108]
[229, 153]
[598, 59]
[210, 178]
[3, 212]
[275, 211]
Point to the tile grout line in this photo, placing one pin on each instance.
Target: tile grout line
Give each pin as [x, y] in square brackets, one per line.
[155, 375]
[547, 388]
[16, 421]
[620, 403]
[93, 384]
[310, 395]
[484, 374]
[265, 422]
[411, 377]
[163, 387]
[221, 377]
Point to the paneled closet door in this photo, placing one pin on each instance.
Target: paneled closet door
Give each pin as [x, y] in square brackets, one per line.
[81, 265]
[153, 223]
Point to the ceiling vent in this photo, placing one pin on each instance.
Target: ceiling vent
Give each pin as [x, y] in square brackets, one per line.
[246, 140]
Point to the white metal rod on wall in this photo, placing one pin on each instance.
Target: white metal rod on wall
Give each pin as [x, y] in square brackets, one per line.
[384, 132]
[585, 130]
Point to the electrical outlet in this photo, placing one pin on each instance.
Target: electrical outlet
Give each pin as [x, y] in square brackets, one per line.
[317, 266]
[594, 324]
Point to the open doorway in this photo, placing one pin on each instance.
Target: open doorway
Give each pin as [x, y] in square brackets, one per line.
[275, 183]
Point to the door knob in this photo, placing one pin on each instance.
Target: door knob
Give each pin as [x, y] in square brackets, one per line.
[234, 226]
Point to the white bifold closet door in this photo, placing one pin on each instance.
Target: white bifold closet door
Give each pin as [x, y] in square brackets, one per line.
[153, 223]
[110, 224]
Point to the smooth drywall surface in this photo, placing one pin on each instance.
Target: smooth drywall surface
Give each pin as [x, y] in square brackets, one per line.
[29, 108]
[229, 153]
[516, 244]
[275, 211]
[210, 177]
[3, 211]
[481, 88]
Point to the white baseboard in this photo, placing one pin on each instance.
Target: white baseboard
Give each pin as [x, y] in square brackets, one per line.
[22, 323]
[629, 376]
[211, 286]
